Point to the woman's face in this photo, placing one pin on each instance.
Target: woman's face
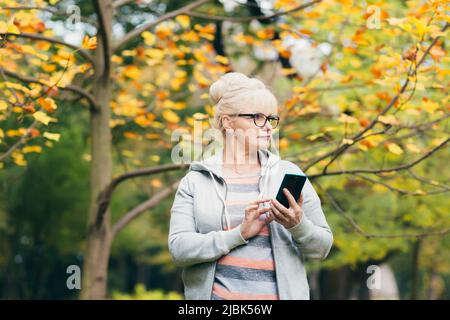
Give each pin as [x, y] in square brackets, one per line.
[246, 133]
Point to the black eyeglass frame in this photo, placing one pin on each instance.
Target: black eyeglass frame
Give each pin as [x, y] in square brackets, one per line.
[253, 115]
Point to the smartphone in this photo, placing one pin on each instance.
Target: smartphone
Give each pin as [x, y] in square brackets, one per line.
[294, 183]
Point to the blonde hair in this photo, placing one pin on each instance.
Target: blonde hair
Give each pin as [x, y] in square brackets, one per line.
[234, 92]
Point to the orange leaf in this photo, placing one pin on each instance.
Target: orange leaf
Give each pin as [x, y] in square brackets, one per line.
[89, 43]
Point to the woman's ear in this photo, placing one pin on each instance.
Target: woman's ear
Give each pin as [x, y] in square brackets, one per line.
[227, 123]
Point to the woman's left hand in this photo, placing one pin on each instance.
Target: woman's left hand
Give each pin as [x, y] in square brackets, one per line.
[287, 217]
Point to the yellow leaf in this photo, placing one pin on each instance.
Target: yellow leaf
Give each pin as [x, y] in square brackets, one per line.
[83, 67]
[430, 106]
[413, 148]
[48, 67]
[13, 29]
[183, 20]
[89, 43]
[207, 36]
[394, 148]
[127, 153]
[149, 38]
[170, 116]
[222, 59]
[3, 105]
[200, 116]
[201, 79]
[389, 119]
[3, 27]
[132, 72]
[18, 158]
[155, 54]
[9, 27]
[395, 21]
[155, 158]
[343, 117]
[52, 136]
[42, 117]
[15, 133]
[29, 149]
[347, 141]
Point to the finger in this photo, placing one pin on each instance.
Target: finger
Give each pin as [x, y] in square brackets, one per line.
[274, 218]
[269, 218]
[250, 211]
[279, 206]
[290, 198]
[251, 208]
[278, 215]
[263, 210]
[260, 201]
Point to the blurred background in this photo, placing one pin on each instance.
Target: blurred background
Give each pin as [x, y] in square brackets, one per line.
[96, 95]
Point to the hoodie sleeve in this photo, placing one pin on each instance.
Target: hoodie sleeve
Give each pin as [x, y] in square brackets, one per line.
[312, 235]
[187, 246]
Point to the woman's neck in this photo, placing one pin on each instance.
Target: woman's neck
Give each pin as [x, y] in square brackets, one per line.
[240, 161]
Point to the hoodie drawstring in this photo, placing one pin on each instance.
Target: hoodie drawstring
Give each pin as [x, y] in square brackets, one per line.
[227, 216]
[265, 177]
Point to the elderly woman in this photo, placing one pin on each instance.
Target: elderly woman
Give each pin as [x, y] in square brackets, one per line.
[232, 238]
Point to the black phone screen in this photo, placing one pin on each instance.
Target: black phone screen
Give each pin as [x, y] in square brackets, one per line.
[294, 183]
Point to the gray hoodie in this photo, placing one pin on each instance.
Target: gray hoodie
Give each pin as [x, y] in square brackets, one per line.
[197, 239]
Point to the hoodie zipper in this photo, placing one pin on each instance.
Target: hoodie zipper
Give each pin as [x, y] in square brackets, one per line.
[271, 241]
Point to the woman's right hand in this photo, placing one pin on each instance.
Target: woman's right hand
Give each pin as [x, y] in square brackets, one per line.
[251, 224]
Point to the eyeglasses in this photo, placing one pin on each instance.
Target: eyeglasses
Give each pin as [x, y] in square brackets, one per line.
[261, 119]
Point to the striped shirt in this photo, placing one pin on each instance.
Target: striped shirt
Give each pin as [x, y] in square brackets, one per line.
[247, 272]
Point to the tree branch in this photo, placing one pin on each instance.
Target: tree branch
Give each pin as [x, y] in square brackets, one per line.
[378, 171]
[138, 210]
[71, 88]
[19, 142]
[104, 18]
[402, 191]
[104, 197]
[39, 37]
[136, 32]
[367, 235]
[245, 19]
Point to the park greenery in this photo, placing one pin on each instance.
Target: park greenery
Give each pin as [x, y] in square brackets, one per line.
[91, 93]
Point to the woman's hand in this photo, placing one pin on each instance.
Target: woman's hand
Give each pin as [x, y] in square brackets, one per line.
[284, 216]
[251, 224]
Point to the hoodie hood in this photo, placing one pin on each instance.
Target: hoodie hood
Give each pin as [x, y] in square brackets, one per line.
[213, 166]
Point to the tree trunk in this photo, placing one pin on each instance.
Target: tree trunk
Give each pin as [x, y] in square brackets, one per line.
[98, 244]
[415, 270]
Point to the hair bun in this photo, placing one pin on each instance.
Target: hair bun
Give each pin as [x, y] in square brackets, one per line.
[231, 82]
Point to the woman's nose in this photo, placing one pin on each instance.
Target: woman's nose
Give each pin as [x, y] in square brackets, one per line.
[268, 126]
